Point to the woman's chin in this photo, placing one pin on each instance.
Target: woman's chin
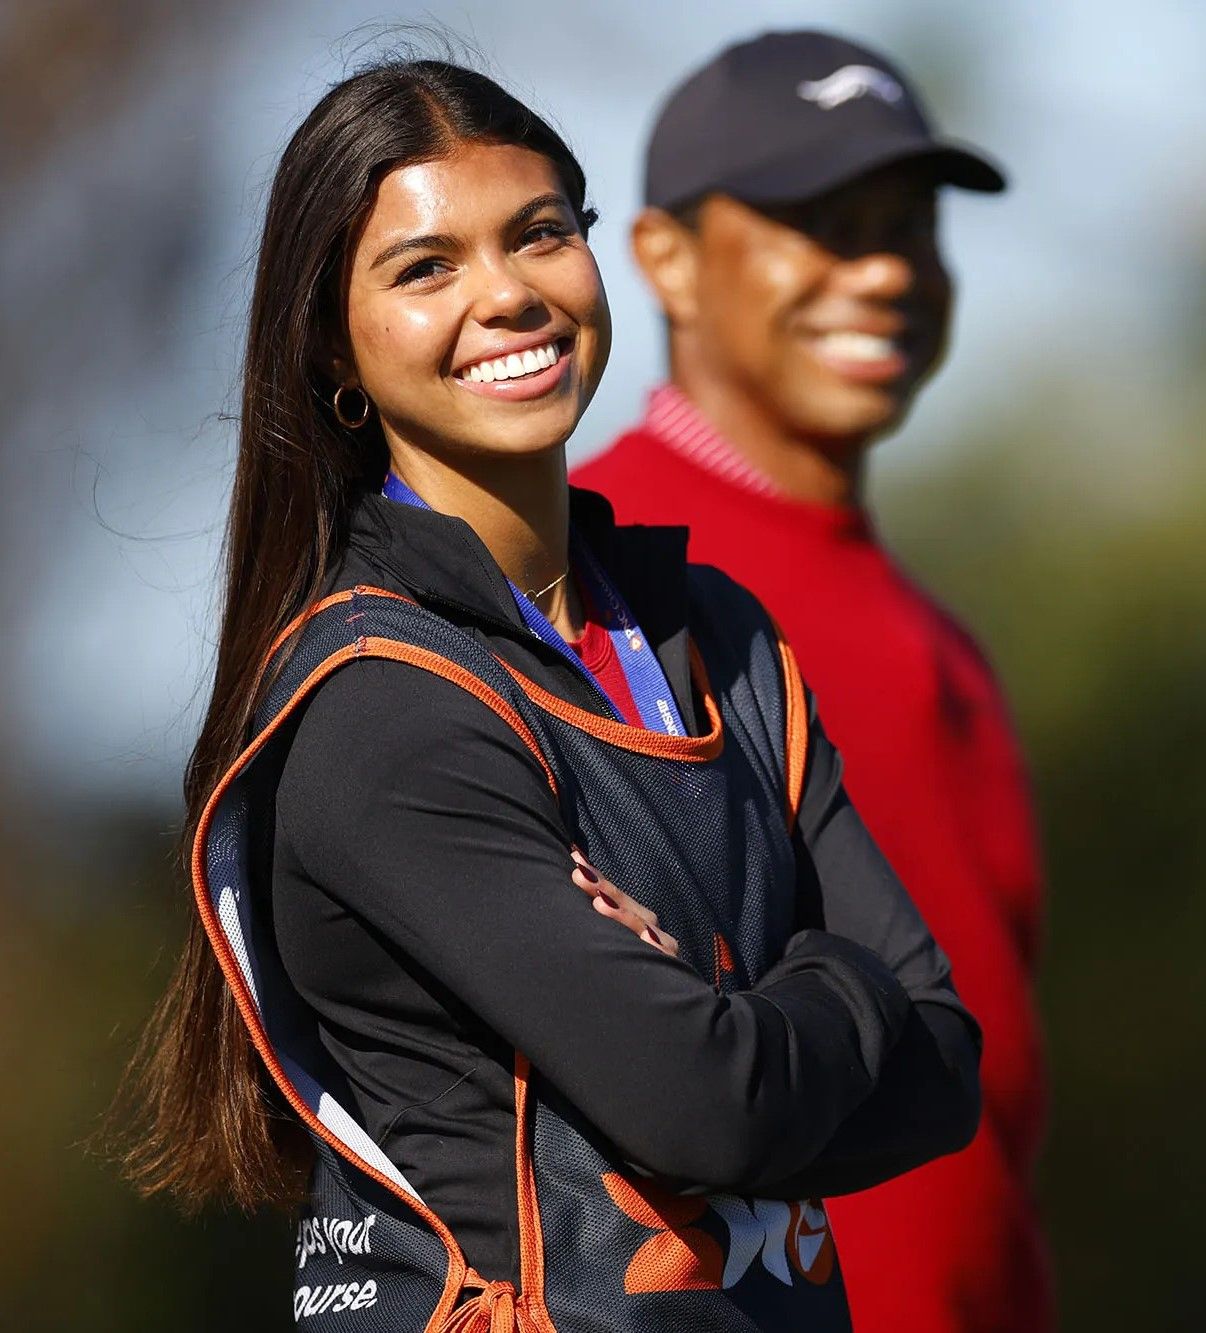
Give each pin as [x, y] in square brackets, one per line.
[533, 446]
[509, 430]
[528, 434]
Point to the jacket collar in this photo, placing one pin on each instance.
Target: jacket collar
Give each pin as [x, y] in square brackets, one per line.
[441, 561]
[433, 557]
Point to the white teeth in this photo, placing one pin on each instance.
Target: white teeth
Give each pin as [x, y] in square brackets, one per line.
[849, 345]
[513, 366]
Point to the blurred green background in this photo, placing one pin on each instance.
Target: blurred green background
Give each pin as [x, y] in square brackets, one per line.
[1050, 488]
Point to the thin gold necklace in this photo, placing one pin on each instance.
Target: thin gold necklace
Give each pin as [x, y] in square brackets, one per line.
[536, 596]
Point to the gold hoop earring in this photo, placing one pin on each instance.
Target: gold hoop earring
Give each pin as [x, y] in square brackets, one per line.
[351, 423]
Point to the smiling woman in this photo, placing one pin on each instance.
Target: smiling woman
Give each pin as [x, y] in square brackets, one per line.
[471, 286]
[525, 1100]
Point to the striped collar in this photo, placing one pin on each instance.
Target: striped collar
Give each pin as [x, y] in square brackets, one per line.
[681, 427]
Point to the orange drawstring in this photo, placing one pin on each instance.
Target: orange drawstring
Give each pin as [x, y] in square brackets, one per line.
[497, 1309]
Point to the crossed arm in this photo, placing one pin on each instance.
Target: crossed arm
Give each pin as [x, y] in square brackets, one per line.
[850, 1061]
[926, 1100]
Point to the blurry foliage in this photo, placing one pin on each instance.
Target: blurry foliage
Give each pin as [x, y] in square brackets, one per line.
[67, 66]
[78, 1250]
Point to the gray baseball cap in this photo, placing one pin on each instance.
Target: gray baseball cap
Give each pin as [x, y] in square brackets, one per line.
[790, 115]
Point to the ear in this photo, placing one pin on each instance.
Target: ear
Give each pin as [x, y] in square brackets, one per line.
[667, 253]
[333, 352]
[342, 370]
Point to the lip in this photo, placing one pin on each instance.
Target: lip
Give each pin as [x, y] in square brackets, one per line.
[892, 325]
[883, 371]
[896, 329]
[501, 350]
[530, 386]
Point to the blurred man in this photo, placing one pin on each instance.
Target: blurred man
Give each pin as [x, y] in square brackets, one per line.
[790, 236]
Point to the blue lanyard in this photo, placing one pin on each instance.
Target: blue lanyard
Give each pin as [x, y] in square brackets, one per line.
[646, 680]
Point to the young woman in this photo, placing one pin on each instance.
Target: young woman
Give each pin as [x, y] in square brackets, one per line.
[447, 720]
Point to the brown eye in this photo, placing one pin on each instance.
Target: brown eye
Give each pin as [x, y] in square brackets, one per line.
[425, 268]
[549, 229]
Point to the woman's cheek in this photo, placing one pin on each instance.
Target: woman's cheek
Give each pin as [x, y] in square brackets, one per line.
[369, 330]
[393, 341]
[590, 295]
[584, 298]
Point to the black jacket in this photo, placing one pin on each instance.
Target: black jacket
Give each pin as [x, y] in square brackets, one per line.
[422, 905]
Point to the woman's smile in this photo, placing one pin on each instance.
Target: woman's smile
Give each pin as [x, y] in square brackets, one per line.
[519, 372]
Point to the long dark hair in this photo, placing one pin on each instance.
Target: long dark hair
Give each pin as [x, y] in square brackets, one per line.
[206, 1123]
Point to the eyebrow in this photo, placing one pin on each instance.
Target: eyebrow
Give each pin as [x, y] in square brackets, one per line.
[445, 241]
[534, 206]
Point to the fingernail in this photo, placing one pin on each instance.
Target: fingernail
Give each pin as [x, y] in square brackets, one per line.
[588, 874]
[654, 937]
[608, 900]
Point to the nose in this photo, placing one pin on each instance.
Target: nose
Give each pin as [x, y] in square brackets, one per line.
[877, 277]
[500, 295]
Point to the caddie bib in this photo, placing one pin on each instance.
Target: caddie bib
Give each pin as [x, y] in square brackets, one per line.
[703, 826]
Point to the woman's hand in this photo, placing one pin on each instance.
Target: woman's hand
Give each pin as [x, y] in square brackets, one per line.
[614, 903]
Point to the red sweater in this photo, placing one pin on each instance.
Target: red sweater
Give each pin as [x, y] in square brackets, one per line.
[935, 771]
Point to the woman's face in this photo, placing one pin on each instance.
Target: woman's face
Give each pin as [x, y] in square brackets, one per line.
[476, 316]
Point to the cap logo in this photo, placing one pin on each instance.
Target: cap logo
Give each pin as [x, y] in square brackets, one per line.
[849, 82]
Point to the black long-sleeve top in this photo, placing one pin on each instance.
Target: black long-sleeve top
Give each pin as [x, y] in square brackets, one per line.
[423, 907]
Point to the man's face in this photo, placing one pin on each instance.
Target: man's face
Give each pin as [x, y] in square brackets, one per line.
[828, 313]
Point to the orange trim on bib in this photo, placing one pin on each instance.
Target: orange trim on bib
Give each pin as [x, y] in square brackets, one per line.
[692, 749]
[498, 1307]
[458, 1270]
[314, 609]
[795, 748]
[531, 1236]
